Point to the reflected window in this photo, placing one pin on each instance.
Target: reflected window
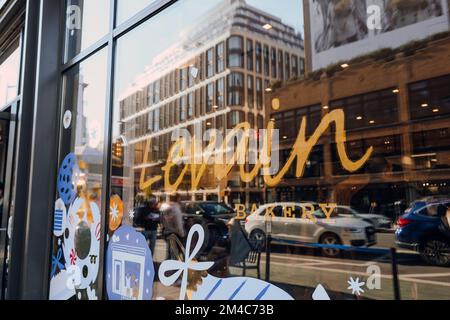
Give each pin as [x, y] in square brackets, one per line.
[220, 93]
[266, 61]
[183, 106]
[209, 97]
[258, 57]
[235, 89]
[259, 93]
[250, 92]
[430, 98]
[431, 149]
[220, 57]
[209, 63]
[273, 62]
[190, 106]
[280, 65]
[235, 118]
[370, 109]
[287, 61]
[250, 53]
[295, 67]
[235, 52]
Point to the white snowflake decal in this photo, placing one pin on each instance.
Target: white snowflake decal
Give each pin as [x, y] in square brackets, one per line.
[131, 214]
[356, 286]
[114, 212]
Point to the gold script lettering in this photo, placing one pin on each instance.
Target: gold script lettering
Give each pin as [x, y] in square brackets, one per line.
[300, 151]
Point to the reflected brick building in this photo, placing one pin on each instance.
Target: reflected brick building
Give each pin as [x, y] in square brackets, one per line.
[399, 105]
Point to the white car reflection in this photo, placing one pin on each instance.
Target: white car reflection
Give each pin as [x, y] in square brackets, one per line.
[380, 222]
[338, 230]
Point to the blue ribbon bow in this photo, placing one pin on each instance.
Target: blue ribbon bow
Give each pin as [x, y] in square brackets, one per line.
[56, 263]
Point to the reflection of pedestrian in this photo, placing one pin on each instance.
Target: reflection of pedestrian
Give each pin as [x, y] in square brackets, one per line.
[172, 223]
[240, 245]
[172, 218]
[150, 223]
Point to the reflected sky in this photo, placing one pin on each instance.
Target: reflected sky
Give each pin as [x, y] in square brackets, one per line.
[137, 49]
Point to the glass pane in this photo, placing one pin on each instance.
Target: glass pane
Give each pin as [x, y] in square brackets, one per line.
[126, 8]
[77, 216]
[352, 156]
[9, 74]
[87, 21]
[209, 73]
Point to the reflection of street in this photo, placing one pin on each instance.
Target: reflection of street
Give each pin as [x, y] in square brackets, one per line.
[299, 270]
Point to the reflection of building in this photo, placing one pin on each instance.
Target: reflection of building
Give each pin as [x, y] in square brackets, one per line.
[400, 107]
[217, 76]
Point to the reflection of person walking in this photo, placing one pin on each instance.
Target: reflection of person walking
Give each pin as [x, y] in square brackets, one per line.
[172, 222]
[151, 221]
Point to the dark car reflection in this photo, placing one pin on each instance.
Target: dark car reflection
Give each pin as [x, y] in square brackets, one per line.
[425, 228]
[214, 217]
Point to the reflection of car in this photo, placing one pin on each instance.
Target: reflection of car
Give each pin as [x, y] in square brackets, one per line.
[213, 216]
[423, 228]
[337, 230]
[379, 222]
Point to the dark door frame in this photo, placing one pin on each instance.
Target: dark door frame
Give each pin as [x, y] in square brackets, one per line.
[36, 151]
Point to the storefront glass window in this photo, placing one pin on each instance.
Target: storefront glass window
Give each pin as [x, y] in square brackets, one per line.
[360, 143]
[78, 219]
[126, 9]
[87, 21]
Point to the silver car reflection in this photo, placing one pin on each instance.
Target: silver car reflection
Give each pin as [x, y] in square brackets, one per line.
[338, 230]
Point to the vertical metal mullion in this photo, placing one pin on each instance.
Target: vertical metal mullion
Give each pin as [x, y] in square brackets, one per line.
[106, 179]
[43, 109]
[22, 152]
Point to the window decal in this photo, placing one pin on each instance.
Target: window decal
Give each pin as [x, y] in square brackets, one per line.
[212, 288]
[129, 270]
